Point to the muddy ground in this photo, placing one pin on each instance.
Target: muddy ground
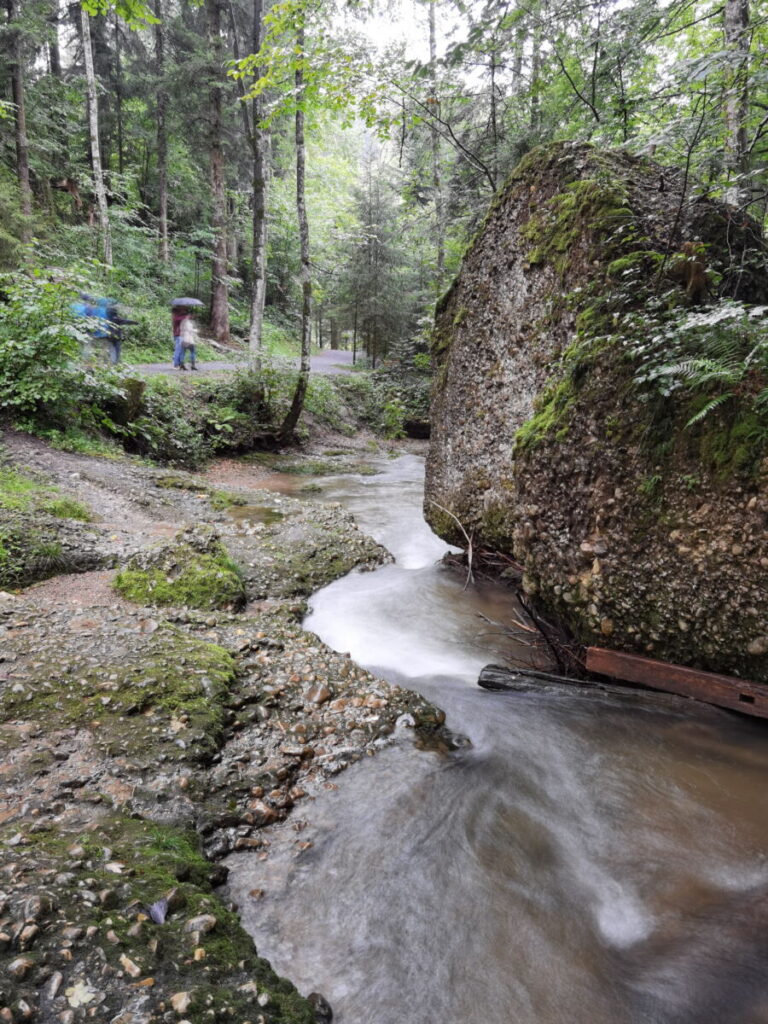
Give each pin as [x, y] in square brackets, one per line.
[142, 743]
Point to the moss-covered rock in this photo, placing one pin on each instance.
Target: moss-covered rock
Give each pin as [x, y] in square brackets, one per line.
[133, 902]
[40, 531]
[194, 571]
[172, 688]
[303, 550]
[636, 509]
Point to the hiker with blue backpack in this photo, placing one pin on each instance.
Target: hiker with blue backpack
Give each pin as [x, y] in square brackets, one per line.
[106, 326]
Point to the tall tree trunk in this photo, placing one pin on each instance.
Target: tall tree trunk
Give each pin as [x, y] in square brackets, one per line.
[437, 184]
[517, 62]
[20, 118]
[119, 97]
[292, 417]
[103, 66]
[259, 143]
[258, 140]
[535, 71]
[494, 118]
[93, 125]
[736, 22]
[354, 332]
[162, 135]
[219, 291]
[54, 52]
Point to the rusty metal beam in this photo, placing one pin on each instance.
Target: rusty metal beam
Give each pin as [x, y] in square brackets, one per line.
[726, 691]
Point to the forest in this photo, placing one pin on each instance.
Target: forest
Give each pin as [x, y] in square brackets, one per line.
[313, 170]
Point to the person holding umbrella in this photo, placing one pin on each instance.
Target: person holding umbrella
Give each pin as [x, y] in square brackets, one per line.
[184, 334]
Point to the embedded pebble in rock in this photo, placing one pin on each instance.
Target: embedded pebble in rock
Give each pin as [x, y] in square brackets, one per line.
[129, 966]
[19, 967]
[203, 924]
[181, 1001]
[318, 694]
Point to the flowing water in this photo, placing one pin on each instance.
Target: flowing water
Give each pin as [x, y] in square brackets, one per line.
[593, 860]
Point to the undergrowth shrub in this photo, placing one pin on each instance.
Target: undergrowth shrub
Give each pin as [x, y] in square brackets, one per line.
[386, 398]
[185, 424]
[39, 344]
[169, 428]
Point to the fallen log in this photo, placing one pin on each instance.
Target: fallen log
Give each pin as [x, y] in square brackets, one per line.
[725, 691]
[498, 678]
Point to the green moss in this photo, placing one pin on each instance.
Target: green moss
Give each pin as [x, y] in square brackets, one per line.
[299, 466]
[17, 492]
[184, 576]
[643, 260]
[181, 483]
[67, 508]
[592, 207]
[497, 524]
[733, 443]
[174, 688]
[221, 500]
[27, 553]
[551, 408]
[30, 551]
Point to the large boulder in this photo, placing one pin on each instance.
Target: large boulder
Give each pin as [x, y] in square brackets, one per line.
[637, 510]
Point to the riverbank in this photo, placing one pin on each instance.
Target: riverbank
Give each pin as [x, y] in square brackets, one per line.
[142, 743]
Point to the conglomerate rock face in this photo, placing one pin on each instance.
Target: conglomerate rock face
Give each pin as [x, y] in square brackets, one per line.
[638, 533]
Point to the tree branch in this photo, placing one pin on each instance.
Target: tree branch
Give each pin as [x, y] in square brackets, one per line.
[575, 88]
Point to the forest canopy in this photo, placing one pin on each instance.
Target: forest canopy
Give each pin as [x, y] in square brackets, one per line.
[159, 146]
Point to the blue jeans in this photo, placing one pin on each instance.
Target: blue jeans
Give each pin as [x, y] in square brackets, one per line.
[179, 353]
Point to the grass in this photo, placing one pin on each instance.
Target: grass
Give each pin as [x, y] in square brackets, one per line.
[20, 493]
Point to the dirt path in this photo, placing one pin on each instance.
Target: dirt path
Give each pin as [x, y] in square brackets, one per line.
[328, 361]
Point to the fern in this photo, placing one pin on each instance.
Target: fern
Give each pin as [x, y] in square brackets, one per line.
[713, 355]
[700, 415]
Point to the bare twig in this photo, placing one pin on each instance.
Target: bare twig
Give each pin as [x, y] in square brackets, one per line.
[467, 537]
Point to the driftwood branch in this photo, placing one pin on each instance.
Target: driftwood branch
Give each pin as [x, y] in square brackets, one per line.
[467, 537]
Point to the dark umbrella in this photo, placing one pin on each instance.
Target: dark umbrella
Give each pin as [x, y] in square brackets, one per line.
[186, 302]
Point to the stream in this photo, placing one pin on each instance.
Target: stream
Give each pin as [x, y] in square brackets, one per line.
[593, 860]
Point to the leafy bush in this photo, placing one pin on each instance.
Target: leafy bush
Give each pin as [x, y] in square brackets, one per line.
[39, 345]
[185, 424]
[386, 398]
[238, 410]
[169, 428]
[393, 416]
[11, 221]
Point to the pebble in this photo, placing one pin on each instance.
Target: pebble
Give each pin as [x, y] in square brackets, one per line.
[317, 694]
[203, 924]
[181, 1001]
[19, 967]
[129, 966]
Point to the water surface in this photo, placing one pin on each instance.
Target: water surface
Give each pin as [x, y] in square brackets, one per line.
[586, 861]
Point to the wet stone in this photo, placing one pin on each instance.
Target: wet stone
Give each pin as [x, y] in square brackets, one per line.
[203, 924]
[20, 967]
